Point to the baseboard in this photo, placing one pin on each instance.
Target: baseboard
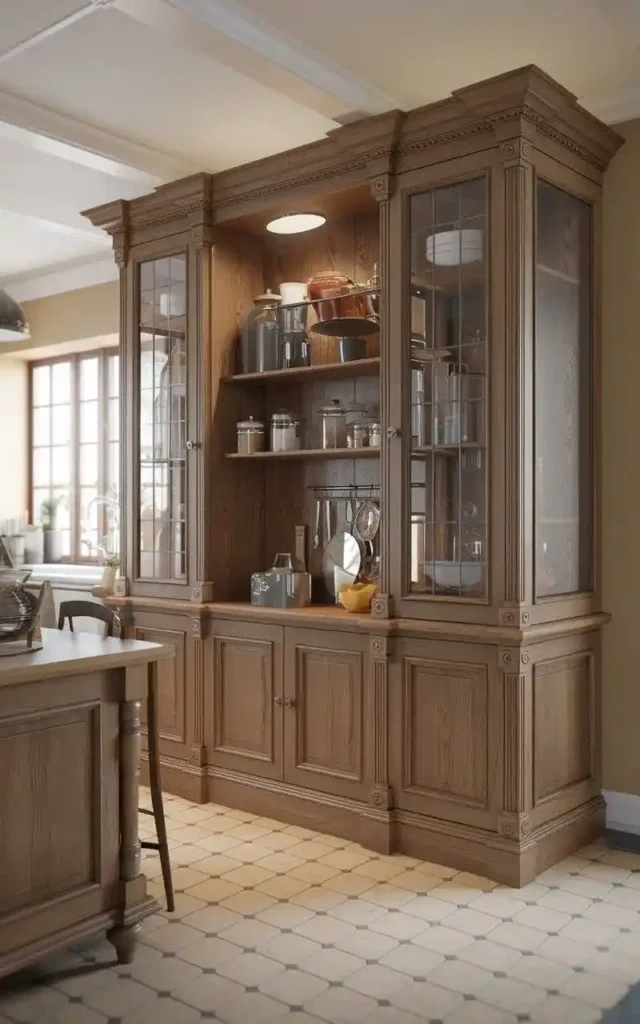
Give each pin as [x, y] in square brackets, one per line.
[623, 811]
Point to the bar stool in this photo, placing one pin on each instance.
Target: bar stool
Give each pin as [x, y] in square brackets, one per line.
[92, 610]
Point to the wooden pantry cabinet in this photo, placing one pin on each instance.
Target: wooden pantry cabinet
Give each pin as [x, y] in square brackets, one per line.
[460, 719]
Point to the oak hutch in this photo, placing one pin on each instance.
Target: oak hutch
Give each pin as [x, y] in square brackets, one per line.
[460, 720]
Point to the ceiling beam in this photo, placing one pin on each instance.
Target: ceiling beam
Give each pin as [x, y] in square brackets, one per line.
[226, 32]
[90, 143]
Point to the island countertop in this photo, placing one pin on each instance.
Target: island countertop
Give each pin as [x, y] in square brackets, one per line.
[65, 653]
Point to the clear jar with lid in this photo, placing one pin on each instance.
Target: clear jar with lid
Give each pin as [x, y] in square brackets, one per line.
[375, 435]
[250, 436]
[334, 425]
[285, 432]
[260, 340]
[357, 435]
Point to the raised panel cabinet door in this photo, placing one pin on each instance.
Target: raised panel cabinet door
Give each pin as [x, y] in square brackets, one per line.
[446, 731]
[324, 709]
[244, 708]
[171, 681]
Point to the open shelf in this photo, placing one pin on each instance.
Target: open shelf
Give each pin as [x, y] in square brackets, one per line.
[319, 371]
[311, 453]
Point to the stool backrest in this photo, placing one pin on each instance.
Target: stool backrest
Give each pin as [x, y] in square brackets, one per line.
[87, 610]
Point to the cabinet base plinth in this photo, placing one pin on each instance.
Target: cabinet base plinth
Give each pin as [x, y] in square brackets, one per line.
[178, 777]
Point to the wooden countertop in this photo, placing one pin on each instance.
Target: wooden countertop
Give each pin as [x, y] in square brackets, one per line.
[65, 653]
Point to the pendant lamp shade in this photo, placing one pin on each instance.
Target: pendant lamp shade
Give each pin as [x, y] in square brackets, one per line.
[13, 323]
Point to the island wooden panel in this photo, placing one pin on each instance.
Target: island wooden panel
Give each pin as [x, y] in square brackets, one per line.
[39, 862]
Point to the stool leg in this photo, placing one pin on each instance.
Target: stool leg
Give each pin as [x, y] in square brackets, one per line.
[156, 791]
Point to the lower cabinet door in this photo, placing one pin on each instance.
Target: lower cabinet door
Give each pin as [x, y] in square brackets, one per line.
[172, 677]
[324, 710]
[446, 732]
[244, 703]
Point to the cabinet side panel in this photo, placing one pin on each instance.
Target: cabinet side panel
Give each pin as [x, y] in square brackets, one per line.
[564, 741]
[445, 730]
[171, 682]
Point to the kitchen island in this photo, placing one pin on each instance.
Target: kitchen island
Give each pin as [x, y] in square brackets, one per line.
[69, 750]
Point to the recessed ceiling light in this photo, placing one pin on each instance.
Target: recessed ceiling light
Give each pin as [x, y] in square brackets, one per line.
[294, 223]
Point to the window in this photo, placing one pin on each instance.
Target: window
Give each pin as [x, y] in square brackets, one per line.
[75, 473]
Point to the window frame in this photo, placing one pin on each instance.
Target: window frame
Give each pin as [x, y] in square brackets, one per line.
[75, 359]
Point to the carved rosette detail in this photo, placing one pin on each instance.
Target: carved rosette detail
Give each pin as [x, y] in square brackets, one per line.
[380, 648]
[514, 826]
[382, 187]
[516, 149]
[196, 628]
[382, 606]
[196, 594]
[511, 657]
[514, 617]
[381, 797]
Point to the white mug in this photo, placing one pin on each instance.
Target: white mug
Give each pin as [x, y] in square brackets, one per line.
[292, 292]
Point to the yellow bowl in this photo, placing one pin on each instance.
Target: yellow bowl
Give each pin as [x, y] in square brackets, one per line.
[356, 597]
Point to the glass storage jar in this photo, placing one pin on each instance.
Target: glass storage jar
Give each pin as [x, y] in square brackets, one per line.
[260, 340]
[250, 436]
[285, 432]
[334, 425]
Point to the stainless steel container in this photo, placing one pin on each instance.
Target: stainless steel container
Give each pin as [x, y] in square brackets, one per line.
[285, 432]
[334, 425]
[250, 436]
[282, 586]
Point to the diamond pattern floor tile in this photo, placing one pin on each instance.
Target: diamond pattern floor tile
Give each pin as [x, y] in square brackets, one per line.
[281, 924]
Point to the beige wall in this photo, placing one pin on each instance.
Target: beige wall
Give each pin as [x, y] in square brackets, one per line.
[71, 316]
[13, 432]
[621, 465]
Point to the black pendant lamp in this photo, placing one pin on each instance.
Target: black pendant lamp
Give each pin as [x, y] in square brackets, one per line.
[13, 323]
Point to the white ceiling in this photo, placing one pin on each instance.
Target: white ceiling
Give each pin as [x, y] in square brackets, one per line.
[103, 99]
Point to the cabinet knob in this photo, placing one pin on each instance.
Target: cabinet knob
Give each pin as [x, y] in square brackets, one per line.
[191, 445]
[278, 701]
[392, 432]
[289, 702]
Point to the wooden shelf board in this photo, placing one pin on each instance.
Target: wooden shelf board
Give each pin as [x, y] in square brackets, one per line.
[311, 453]
[318, 371]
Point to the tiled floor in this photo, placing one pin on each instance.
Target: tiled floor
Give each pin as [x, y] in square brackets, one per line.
[276, 923]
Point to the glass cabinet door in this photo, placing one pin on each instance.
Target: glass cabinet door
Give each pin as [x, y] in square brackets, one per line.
[563, 394]
[162, 412]
[447, 351]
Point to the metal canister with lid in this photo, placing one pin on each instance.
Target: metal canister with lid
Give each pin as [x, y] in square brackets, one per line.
[334, 425]
[375, 435]
[285, 432]
[250, 436]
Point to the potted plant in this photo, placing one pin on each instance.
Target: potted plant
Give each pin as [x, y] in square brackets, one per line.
[52, 536]
[109, 572]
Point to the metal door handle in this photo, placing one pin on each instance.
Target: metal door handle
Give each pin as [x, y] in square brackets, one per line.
[191, 445]
[289, 702]
[392, 432]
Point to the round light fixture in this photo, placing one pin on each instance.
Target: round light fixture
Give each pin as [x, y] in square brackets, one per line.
[295, 223]
[13, 323]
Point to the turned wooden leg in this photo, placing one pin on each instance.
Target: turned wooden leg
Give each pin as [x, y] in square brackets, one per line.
[124, 939]
[156, 788]
[129, 772]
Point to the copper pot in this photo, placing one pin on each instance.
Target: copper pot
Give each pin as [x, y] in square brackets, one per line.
[330, 292]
